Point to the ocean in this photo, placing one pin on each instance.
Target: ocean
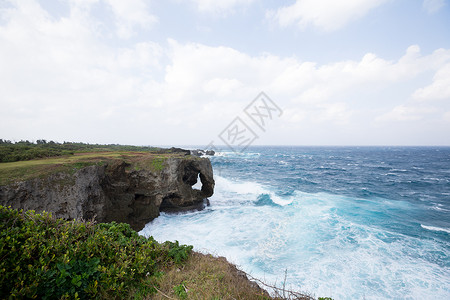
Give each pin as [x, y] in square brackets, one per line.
[342, 222]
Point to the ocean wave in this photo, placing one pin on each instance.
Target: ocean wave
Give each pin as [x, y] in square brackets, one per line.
[248, 191]
[265, 199]
[232, 154]
[350, 232]
[316, 242]
[438, 207]
[220, 154]
[399, 170]
[433, 228]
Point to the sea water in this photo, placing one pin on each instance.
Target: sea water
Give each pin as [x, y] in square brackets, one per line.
[342, 222]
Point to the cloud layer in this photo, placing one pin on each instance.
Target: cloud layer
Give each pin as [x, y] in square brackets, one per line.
[327, 15]
[59, 80]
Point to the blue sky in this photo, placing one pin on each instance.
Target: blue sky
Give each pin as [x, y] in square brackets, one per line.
[367, 72]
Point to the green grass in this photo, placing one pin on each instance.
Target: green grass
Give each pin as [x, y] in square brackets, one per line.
[158, 163]
[25, 150]
[25, 170]
[11, 172]
[25, 160]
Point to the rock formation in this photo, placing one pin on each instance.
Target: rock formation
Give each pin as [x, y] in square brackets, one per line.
[200, 152]
[116, 191]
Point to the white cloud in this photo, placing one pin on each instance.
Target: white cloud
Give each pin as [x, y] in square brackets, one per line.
[294, 115]
[432, 6]
[221, 86]
[439, 89]
[336, 112]
[140, 56]
[60, 81]
[57, 77]
[322, 91]
[221, 7]
[328, 15]
[447, 116]
[313, 83]
[402, 113]
[129, 14]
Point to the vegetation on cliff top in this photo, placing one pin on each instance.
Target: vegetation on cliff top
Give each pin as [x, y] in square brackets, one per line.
[26, 150]
[51, 258]
[48, 258]
[25, 160]
[29, 169]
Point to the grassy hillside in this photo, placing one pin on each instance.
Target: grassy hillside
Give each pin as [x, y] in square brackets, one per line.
[29, 169]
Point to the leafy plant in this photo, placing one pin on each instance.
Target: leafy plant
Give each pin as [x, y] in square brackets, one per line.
[180, 291]
[158, 163]
[43, 257]
[177, 252]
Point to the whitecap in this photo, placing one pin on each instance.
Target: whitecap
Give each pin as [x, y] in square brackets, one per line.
[439, 207]
[433, 228]
[221, 154]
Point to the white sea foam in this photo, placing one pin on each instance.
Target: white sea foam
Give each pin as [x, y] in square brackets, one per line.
[399, 170]
[322, 240]
[439, 207]
[232, 154]
[220, 154]
[245, 191]
[433, 228]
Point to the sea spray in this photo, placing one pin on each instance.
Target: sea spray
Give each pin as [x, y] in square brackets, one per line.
[334, 218]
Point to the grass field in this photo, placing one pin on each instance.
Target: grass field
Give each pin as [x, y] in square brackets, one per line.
[29, 169]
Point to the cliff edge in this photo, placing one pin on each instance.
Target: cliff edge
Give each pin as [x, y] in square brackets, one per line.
[124, 187]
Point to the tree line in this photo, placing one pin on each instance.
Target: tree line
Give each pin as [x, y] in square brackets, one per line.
[26, 150]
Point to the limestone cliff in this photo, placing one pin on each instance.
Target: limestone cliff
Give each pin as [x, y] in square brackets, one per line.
[121, 190]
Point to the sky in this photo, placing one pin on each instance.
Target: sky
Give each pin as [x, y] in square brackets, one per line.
[347, 72]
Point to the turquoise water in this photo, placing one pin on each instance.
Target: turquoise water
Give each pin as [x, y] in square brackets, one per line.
[345, 222]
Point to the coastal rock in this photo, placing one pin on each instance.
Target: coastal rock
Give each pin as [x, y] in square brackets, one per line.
[116, 191]
[199, 152]
[174, 150]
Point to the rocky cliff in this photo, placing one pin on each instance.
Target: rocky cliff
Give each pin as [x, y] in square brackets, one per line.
[127, 190]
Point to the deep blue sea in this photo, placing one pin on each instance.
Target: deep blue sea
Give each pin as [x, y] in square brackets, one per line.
[345, 222]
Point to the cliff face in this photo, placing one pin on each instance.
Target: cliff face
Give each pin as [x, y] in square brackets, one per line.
[116, 191]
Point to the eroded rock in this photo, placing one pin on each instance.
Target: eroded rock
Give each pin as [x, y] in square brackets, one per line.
[116, 191]
[200, 152]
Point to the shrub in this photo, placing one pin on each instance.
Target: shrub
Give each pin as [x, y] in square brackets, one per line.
[47, 258]
[180, 291]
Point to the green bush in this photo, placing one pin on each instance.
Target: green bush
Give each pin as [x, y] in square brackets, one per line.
[179, 253]
[43, 257]
[180, 291]
[18, 152]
